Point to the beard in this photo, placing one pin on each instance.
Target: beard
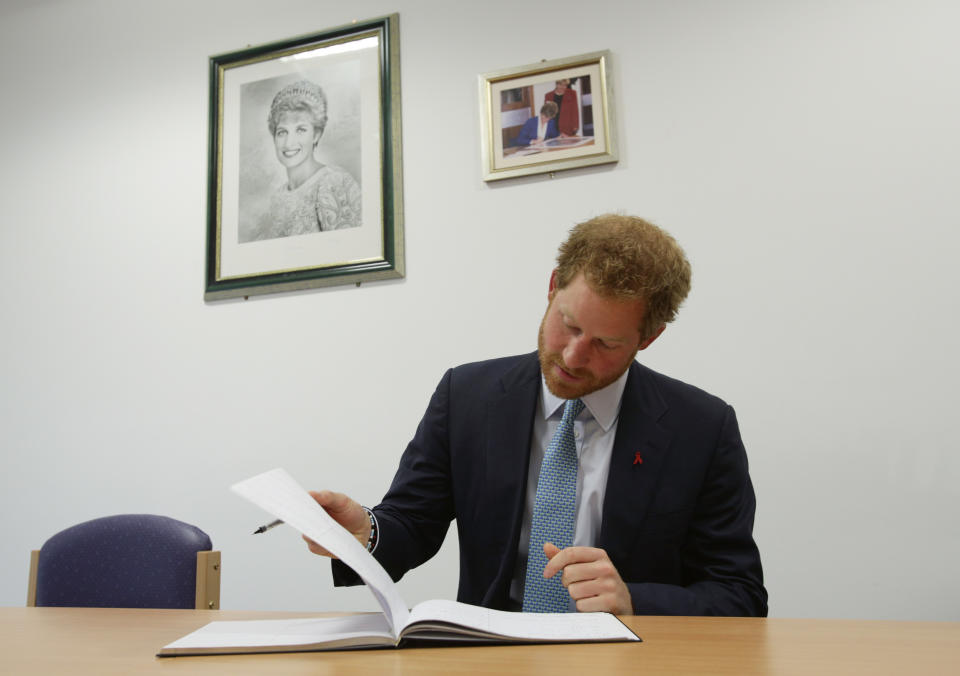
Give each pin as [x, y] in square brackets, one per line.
[587, 381]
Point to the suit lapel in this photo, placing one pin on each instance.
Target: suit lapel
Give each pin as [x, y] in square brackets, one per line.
[509, 428]
[636, 461]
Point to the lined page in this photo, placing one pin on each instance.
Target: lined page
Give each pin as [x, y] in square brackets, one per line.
[279, 494]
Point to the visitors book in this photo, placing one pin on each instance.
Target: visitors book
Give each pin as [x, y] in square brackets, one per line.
[433, 622]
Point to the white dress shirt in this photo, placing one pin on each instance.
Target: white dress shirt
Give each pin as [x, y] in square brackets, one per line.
[542, 129]
[593, 431]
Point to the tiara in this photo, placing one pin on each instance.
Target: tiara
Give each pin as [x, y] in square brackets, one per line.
[301, 90]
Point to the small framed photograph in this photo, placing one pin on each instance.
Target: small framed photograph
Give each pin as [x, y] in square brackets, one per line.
[304, 184]
[547, 116]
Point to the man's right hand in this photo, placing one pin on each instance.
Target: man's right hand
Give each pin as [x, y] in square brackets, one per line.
[344, 511]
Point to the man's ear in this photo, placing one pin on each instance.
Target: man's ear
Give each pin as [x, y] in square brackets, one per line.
[646, 341]
[553, 285]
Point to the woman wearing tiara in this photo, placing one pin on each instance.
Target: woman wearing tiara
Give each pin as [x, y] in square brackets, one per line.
[316, 197]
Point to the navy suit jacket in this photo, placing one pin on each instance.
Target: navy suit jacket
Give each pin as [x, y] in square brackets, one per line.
[678, 526]
[529, 131]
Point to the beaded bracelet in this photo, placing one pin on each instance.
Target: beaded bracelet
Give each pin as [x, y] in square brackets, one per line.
[372, 540]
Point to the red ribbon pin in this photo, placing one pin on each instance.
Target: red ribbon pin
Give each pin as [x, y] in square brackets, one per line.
[637, 460]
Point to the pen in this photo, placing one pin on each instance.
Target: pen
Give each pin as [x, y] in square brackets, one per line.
[265, 528]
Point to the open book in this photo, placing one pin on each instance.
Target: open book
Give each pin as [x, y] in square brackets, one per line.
[433, 621]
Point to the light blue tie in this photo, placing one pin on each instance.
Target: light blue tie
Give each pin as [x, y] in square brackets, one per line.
[553, 516]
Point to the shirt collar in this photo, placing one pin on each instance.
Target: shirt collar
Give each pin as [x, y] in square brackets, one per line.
[603, 404]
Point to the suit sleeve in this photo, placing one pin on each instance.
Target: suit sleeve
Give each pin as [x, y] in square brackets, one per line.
[528, 132]
[718, 560]
[415, 514]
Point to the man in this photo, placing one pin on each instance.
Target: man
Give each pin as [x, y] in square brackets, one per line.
[658, 517]
[536, 130]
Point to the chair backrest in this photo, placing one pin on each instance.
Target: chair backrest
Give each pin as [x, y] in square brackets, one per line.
[127, 561]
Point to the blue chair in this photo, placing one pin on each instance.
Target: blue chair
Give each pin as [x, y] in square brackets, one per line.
[126, 561]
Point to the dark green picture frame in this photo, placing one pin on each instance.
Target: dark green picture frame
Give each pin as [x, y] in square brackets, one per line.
[239, 264]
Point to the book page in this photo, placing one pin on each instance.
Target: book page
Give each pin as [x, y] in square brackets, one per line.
[530, 626]
[279, 494]
[248, 635]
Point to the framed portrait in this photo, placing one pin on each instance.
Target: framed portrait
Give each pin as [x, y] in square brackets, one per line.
[547, 116]
[304, 183]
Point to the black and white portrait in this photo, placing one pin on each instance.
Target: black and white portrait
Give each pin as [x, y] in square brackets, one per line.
[299, 163]
[305, 182]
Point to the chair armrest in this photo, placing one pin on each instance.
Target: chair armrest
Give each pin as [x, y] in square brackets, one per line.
[208, 580]
[32, 580]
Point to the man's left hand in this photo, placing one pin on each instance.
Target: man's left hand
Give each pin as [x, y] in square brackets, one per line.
[590, 578]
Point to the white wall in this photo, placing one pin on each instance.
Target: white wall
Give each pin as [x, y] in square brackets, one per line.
[805, 154]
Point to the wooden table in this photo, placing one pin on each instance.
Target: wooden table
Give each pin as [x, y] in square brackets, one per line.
[107, 641]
